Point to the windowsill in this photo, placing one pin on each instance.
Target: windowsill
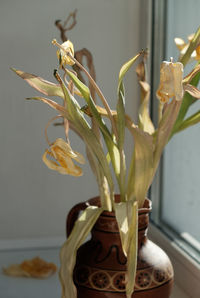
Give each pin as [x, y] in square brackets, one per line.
[21, 287]
[16, 287]
[178, 293]
[186, 270]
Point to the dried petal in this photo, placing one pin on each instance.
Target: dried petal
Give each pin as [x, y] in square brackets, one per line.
[36, 268]
[180, 43]
[66, 48]
[171, 76]
[63, 154]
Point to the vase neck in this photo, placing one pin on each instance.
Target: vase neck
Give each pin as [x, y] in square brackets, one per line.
[107, 227]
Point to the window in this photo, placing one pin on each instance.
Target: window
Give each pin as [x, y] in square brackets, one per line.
[176, 189]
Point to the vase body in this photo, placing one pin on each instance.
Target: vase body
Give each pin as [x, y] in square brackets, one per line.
[101, 265]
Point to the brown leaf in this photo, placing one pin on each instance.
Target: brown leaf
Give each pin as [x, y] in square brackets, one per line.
[192, 90]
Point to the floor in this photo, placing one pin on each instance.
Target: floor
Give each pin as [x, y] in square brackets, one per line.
[31, 288]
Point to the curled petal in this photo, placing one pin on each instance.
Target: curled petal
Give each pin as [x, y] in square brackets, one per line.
[63, 154]
[66, 149]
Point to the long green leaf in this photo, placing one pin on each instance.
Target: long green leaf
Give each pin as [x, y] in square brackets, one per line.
[106, 202]
[187, 101]
[126, 67]
[69, 249]
[121, 118]
[86, 94]
[121, 99]
[121, 124]
[190, 121]
[77, 117]
[111, 146]
[121, 121]
[41, 85]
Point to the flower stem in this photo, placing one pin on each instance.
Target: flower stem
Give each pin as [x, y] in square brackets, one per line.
[96, 87]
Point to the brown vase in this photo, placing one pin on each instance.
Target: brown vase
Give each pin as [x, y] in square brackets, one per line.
[101, 265]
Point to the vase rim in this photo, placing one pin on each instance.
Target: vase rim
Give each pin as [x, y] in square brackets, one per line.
[147, 207]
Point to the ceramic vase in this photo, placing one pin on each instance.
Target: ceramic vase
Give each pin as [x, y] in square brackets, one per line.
[100, 270]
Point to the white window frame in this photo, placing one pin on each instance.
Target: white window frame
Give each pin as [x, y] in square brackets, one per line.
[187, 270]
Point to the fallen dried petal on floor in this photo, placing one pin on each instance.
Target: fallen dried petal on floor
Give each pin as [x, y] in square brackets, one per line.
[36, 268]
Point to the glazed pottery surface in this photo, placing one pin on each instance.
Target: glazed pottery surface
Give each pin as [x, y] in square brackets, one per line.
[100, 269]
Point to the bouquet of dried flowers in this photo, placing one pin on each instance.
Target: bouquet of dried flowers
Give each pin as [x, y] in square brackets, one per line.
[105, 143]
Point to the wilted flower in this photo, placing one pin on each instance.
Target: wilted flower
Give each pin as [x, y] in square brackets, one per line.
[171, 76]
[65, 49]
[64, 155]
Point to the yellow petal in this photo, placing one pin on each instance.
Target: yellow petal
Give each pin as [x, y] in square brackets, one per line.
[66, 150]
[180, 43]
[66, 167]
[63, 154]
[190, 37]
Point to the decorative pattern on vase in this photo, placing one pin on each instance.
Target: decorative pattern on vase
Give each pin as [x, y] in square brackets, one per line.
[104, 280]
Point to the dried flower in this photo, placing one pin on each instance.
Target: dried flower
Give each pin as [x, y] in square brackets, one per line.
[63, 154]
[66, 50]
[171, 76]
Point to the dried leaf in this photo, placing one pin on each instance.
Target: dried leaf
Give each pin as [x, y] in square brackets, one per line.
[145, 122]
[165, 129]
[132, 251]
[127, 219]
[68, 251]
[141, 169]
[192, 90]
[51, 103]
[191, 75]
[41, 85]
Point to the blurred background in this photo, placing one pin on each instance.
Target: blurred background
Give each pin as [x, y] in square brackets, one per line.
[35, 200]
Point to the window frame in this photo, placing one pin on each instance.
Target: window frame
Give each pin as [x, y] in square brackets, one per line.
[186, 267]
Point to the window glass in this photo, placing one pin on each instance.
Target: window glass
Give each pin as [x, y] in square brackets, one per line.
[181, 162]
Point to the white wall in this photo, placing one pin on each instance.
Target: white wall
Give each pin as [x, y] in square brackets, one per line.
[34, 200]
